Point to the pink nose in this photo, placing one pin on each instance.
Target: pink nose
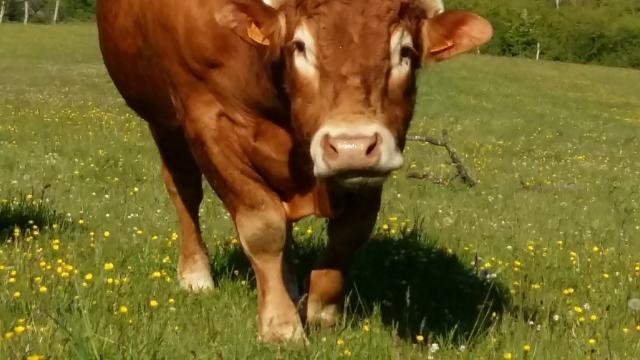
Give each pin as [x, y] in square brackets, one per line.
[351, 152]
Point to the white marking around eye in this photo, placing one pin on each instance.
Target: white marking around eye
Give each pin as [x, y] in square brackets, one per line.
[305, 60]
[400, 66]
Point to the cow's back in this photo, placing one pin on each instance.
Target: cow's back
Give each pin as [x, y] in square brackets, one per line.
[162, 54]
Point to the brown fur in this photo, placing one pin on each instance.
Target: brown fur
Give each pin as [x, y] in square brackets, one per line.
[222, 106]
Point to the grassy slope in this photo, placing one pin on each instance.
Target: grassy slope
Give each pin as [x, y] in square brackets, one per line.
[555, 216]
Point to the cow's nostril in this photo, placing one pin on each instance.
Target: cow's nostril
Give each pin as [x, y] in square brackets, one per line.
[373, 146]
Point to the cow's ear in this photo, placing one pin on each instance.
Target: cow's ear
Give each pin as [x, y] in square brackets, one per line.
[453, 32]
[254, 22]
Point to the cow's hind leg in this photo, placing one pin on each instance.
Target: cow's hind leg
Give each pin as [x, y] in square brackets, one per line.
[183, 180]
[346, 233]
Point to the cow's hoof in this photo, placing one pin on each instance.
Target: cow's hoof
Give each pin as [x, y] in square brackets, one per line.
[289, 331]
[196, 282]
[322, 316]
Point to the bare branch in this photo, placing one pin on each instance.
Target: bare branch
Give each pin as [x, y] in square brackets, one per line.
[461, 170]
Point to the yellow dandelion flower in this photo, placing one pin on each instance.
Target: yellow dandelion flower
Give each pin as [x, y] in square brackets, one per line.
[339, 342]
[507, 356]
[385, 227]
[19, 329]
[107, 233]
[88, 277]
[592, 342]
[419, 338]
[108, 266]
[8, 335]
[577, 309]
[156, 275]
[536, 286]
[123, 310]
[366, 328]
[605, 275]
[526, 348]
[347, 353]
[109, 281]
[568, 291]
[171, 301]
[174, 236]
[16, 295]
[154, 303]
[593, 317]
[625, 330]
[43, 289]
[35, 357]
[637, 327]
[11, 280]
[595, 249]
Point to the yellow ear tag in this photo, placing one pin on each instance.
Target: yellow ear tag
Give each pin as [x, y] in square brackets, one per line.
[255, 34]
[442, 48]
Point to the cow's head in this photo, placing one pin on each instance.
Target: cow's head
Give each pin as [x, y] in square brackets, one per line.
[350, 73]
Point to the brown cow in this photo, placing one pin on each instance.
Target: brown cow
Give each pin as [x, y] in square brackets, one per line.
[289, 108]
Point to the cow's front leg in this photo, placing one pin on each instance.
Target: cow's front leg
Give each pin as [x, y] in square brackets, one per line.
[346, 233]
[263, 233]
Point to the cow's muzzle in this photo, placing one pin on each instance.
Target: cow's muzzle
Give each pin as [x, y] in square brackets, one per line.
[355, 156]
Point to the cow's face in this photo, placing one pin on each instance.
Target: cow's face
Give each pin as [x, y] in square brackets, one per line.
[350, 75]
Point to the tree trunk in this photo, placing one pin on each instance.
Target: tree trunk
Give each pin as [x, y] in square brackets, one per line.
[558, 4]
[1, 11]
[55, 12]
[26, 12]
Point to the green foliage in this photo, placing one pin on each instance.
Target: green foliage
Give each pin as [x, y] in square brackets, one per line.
[41, 11]
[584, 31]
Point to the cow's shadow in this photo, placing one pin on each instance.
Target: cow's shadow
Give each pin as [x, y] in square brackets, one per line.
[20, 215]
[416, 286]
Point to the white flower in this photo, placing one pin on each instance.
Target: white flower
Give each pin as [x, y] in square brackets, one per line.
[556, 317]
[586, 306]
[434, 348]
[634, 304]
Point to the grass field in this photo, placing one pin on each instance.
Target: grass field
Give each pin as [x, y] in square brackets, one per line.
[541, 260]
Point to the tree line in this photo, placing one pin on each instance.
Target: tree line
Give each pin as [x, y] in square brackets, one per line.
[603, 32]
[47, 11]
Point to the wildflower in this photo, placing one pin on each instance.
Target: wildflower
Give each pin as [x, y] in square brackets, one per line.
[339, 342]
[638, 328]
[593, 317]
[108, 266]
[55, 244]
[35, 357]
[9, 335]
[385, 227]
[234, 242]
[526, 348]
[11, 280]
[88, 277]
[556, 317]
[43, 289]
[123, 310]
[16, 295]
[365, 328]
[625, 330]
[166, 260]
[592, 342]
[153, 303]
[434, 348]
[19, 329]
[507, 356]
[156, 275]
[347, 352]
[634, 304]
[107, 233]
[419, 338]
[568, 291]
[171, 301]
[578, 309]
[174, 236]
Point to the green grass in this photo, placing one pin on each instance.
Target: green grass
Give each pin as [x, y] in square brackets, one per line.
[543, 252]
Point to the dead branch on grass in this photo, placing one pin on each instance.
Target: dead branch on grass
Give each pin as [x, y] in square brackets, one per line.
[461, 170]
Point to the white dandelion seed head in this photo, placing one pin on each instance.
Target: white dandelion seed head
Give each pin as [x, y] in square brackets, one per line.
[434, 348]
[556, 317]
[634, 304]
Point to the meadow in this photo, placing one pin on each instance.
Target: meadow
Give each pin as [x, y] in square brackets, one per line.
[540, 260]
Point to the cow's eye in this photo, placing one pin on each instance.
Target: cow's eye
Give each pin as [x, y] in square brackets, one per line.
[408, 52]
[298, 46]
